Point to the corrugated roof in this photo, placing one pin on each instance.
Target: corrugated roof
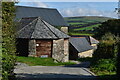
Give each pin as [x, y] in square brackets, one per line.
[52, 16]
[80, 44]
[38, 29]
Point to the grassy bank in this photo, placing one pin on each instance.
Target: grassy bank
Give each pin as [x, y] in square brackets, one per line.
[102, 67]
[36, 61]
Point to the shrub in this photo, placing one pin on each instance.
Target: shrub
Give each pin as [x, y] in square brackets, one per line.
[104, 66]
[8, 43]
[118, 61]
[108, 47]
[104, 51]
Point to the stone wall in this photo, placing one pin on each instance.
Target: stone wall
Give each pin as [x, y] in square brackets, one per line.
[66, 50]
[58, 50]
[86, 54]
[32, 48]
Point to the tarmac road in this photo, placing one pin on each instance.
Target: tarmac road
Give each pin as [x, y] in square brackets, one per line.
[54, 73]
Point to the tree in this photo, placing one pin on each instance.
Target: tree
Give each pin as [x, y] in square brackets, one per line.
[107, 48]
[8, 42]
[112, 26]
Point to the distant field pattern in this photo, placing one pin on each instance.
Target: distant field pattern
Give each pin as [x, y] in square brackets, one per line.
[84, 24]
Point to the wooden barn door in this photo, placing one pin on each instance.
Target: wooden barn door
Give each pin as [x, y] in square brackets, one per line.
[44, 48]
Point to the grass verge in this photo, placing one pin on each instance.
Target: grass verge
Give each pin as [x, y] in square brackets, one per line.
[36, 61]
[103, 68]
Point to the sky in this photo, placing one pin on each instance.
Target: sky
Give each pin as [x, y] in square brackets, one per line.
[74, 8]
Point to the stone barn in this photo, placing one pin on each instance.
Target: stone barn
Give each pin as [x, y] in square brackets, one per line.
[36, 37]
[79, 47]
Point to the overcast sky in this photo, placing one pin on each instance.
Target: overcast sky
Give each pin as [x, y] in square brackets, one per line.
[70, 9]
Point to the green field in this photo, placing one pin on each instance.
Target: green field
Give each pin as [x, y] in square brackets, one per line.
[76, 23]
[88, 27]
[84, 25]
[86, 34]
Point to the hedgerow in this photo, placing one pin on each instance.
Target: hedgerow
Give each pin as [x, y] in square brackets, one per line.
[8, 40]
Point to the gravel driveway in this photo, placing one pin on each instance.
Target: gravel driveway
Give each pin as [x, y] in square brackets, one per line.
[25, 72]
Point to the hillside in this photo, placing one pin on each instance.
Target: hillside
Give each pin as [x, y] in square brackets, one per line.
[84, 25]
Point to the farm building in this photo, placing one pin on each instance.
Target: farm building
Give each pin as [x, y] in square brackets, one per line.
[38, 38]
[79, 47]
[82, 46]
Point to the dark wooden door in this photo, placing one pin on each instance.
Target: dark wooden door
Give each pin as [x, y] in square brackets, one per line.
[43, 48]
[22, 47]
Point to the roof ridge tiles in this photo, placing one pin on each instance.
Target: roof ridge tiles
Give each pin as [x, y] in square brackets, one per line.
[35, 26]
[49, 28]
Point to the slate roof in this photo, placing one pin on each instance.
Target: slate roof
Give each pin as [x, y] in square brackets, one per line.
[80, 44]
[90, 39]
[36, 28]
[52, 16]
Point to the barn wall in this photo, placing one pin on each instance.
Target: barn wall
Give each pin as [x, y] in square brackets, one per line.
[84, 54]
[58, 50]
[32, 48]
[66, 45]
[61, 50]
[66, 50]
[44, 48]
[94, 46]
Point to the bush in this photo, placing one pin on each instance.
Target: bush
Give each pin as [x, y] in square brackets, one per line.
[104, 66]
[108, 47]
[104, 51]
[8, 42]
[118, 61]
